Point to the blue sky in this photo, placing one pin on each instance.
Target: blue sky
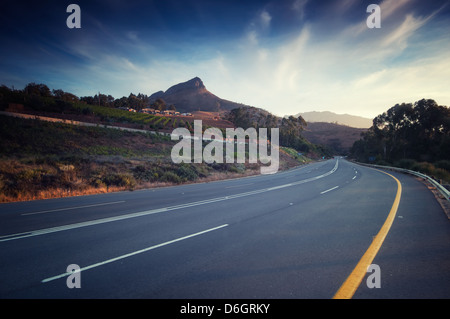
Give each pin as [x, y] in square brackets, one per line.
[284, 56]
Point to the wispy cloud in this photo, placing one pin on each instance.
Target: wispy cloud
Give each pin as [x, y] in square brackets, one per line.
[258, 26]
[265, 19]
[290, 61]
[299, 6]
[295, 56]
[401, 34]
[391, 7]
[348, 71]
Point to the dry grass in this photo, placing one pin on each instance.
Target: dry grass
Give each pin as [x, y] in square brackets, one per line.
[55, 193]
[91, 190]
[47, 160]
[88, 178]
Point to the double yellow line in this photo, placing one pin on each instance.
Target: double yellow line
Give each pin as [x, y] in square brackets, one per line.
[351, 284]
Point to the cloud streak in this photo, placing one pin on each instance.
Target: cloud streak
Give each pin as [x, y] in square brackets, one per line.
[295, 56]
[349, 74]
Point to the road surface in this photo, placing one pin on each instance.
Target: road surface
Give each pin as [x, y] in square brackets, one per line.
[298, 234]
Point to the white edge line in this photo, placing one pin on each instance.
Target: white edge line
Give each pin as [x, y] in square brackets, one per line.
[132, 254]
[331, 189]
[71, 208]
[279, 187]
[236, 186]
[156, 211]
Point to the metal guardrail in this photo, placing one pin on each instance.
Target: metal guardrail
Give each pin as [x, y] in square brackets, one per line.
[445, 192]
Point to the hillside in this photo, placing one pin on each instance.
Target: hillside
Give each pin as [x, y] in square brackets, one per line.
[193, 96]
[339, 138]
[291, 129]
[43, 159]
[342, 119]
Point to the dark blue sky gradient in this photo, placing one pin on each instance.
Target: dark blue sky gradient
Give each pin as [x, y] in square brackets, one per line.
[145, 46]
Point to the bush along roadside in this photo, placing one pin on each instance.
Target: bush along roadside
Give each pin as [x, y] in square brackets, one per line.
[41, 160]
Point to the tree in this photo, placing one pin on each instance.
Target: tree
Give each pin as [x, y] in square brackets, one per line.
[41, 90]
[134, 102]
[393, 128]
[88, 100]
[160, 104]
[291, 131]
[122, 102]
[64, 96]
[110, 101]
[419, 131]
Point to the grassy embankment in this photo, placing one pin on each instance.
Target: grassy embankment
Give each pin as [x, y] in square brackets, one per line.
[45, 160]
[439, 170]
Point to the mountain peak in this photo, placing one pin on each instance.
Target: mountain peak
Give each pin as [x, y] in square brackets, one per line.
[195, 84]
[192, 95]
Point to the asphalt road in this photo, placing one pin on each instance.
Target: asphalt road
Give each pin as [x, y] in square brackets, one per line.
[295, 234]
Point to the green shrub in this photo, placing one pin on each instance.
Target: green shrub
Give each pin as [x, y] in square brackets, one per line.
[381, 162]
[142, 173]
[119, 179]
[187, 172]
[444, 164]
[236, 168]
[405, 163]
[170, 177]
[28, 175]
[98, 183]
[423, 167]
[442, 174]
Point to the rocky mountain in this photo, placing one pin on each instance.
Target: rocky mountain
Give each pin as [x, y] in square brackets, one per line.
[337, 131]
[191, 96]
[342, 119]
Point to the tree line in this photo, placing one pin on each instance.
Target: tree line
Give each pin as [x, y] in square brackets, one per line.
[290, 128]
[35, 96]
[407, 133]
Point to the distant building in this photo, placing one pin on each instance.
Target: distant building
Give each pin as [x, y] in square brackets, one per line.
[148, 111]
[129, 109]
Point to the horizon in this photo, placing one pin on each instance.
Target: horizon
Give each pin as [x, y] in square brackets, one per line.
[286, 57]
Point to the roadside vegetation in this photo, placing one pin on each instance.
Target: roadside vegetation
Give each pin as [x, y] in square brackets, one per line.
[414, 136]
[290, 130]
[41, 159]
[38, 99]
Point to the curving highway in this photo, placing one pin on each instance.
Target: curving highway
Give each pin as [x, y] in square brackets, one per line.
[297, 234]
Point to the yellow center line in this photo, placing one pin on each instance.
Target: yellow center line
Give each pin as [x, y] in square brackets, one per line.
[351, 284]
